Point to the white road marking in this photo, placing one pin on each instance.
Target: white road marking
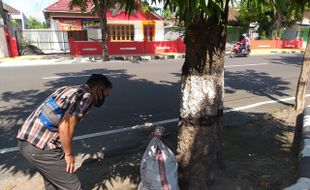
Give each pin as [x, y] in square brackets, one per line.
[77, 76]
[14, 149]
[261, 103]
[242, 65]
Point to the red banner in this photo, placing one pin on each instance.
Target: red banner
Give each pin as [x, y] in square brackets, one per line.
[67, 25]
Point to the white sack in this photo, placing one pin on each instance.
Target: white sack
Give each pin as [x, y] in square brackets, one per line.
[158, 168]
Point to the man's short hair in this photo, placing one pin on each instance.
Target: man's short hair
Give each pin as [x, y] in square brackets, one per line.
[97, 84]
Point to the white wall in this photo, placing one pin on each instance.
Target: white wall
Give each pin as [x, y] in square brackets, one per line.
[3, 47]
[54, 24]
[139, 36]
[56, 40]
[159, 31]
[94, 34]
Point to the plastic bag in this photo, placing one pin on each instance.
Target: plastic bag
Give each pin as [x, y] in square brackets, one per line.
[158, 167]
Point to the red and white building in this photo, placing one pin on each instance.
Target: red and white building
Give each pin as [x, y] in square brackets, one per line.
[122, 28]
[137, 33]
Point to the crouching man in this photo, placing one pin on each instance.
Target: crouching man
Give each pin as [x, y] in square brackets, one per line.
[45, 138]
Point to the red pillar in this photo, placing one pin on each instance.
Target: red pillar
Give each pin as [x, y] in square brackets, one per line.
[14, 49]
[72, 46]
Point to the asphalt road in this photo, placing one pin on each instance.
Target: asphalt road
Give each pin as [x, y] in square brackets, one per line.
[144, 92]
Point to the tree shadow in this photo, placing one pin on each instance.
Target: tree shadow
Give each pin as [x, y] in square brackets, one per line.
[257, 83]
[132, 101]
[288, 60]
[256, 152]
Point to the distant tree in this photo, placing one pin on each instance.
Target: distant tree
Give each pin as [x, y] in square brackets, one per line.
[147, 7]
[35, 24]
[271, 17]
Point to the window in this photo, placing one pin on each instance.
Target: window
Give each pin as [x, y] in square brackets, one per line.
[148, 32]
[121, 32]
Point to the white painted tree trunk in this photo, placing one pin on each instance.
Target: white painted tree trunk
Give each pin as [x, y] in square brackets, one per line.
[200, 130]
[200, 96]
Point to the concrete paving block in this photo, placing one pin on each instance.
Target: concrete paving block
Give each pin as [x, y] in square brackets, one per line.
[307, 111]
[304, 167]
[302, 184]
[306, 148]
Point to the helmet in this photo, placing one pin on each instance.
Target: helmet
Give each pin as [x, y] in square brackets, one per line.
[244, 35]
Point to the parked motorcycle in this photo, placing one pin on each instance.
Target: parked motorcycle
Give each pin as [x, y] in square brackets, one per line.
[236, 51]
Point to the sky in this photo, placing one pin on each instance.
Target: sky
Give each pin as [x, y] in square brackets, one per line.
[32, 8]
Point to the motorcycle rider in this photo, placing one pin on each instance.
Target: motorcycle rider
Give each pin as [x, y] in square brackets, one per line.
[245, 43]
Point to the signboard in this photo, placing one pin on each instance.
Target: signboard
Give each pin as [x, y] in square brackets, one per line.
[67, 25]
[91, 24]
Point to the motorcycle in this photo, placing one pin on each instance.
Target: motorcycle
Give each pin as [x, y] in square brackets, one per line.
[237, 51]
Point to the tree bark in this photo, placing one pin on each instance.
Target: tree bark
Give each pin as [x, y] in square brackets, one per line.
[199, 150]
[104, 32]
[277, 24]
[303, 80]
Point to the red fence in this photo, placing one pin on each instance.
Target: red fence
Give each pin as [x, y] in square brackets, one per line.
[276, 44]
[177, 46]
[127, 48]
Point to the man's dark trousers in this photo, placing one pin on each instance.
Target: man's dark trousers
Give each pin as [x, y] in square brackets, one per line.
[52, 165]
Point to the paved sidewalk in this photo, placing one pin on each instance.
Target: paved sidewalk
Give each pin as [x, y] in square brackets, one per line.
[68, 59]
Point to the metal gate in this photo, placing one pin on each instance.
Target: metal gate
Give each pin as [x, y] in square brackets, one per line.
[47, 40]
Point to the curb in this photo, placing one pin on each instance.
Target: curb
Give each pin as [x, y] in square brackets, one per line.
[67, 58]
[303, 181]
[277, 51]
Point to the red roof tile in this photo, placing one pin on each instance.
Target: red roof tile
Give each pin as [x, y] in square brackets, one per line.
[63, 6]
[10, 9]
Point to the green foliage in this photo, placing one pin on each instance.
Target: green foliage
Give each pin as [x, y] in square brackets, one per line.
[13, 22]
[272, 16]
[188, 11]
[146, 7]
[35, 24]
[166, 13]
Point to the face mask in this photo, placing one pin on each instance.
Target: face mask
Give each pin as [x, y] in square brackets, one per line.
[100, 102]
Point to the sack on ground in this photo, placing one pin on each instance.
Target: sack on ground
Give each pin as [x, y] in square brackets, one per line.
[158, 168]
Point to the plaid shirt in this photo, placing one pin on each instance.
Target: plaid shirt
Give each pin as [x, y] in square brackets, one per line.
[78, 101]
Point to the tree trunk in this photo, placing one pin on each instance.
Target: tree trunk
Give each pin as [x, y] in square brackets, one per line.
[303, 80]
[277, 24]
[199, 151]
[104, 33]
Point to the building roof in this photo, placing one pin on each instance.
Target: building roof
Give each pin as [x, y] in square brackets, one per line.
[10, 9]
[63, 6]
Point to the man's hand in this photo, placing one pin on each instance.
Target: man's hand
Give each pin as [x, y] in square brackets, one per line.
[70, 163]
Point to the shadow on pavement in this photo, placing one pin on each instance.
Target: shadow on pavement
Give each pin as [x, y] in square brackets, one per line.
[131, 102]
[136, 101]
[295, 60]
[257, 83]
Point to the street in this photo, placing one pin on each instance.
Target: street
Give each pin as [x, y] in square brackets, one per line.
[144, 92]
